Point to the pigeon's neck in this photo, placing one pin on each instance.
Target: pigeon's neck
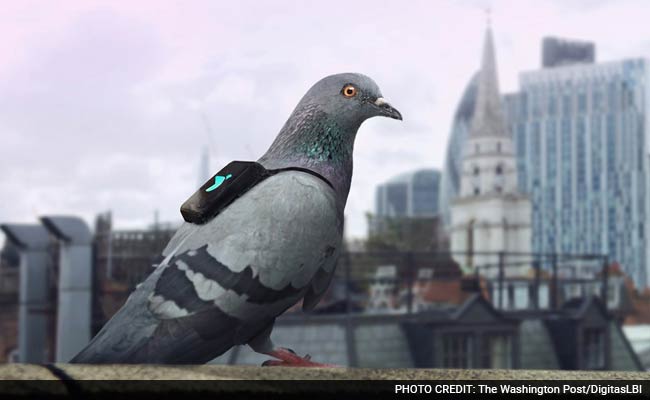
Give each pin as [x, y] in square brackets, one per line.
[312, 139]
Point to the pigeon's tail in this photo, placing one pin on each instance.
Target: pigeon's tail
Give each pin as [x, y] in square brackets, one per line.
[97, 353]
[170, 343]
[135, 336]
[121, 335]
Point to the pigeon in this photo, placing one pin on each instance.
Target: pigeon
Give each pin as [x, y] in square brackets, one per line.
[224, 282]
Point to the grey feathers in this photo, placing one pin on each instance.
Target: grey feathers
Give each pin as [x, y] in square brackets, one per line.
[238, 272]
[224, 282]
[195, 279]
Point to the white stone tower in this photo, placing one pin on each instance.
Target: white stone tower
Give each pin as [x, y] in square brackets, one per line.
[489, 215]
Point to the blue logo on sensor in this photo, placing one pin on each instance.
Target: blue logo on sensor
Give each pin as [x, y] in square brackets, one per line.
[218, 180]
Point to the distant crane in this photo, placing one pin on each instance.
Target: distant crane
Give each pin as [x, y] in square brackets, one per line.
[209, 152]
[204, 163]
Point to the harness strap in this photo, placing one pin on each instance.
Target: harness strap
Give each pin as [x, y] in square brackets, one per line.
[316, 174]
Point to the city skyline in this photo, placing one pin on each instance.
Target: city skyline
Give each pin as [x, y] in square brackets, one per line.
[580, 140]
[101, 103]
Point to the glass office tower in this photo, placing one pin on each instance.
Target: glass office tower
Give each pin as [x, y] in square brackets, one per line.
[580, 133]
[414, 194]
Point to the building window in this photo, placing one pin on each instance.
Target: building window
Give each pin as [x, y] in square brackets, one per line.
[497, 351]
[476, 171]
[582, 102]
[551, 105]
[533, 295]
[477, 191]
[457, 350]
[477, 148]
[499, 179]
[498, 147]
[566, 104]
[470, 243]
[593, 348]
[511, 296]
[396, 199]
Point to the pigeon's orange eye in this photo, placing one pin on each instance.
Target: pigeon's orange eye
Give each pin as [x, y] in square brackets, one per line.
[349, 91]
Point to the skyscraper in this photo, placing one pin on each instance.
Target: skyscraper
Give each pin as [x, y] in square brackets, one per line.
[450, 178]
[413, 194]
[557, 52]
[582, 155]
[406, 213]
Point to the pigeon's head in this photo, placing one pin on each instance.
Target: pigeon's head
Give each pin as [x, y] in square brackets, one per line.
[351, 98]
[320, 132]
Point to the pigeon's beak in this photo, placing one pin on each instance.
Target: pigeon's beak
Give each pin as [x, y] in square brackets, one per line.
[386, 110]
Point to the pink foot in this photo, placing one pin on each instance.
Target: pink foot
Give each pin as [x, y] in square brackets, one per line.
[287, 358]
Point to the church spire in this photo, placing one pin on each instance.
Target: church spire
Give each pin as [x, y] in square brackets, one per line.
[488, 117]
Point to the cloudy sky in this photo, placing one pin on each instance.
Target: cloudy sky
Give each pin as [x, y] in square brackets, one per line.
[102, 104]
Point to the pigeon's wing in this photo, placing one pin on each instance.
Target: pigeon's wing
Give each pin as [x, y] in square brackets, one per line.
[263, 249]
[224, 282]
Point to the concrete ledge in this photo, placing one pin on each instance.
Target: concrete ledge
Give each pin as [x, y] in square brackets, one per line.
[25, 371]
[46, 382]
[219, 372]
